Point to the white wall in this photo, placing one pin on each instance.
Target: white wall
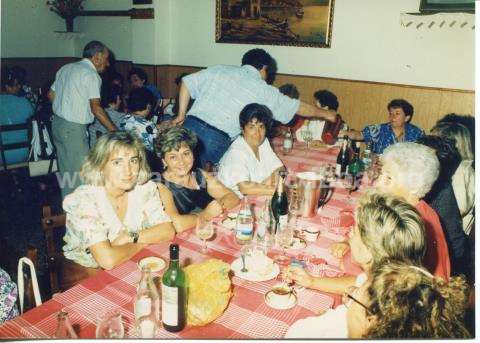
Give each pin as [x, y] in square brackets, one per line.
[368, 43]
[27, 30]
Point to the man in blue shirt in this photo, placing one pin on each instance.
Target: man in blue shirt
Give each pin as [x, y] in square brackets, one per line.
[13, 110]
[222, 91]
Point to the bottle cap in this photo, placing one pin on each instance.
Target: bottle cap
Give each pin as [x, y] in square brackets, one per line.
[174, 251]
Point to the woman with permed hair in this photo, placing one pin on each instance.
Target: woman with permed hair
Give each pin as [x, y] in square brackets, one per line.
[188, 193]
[406, 301]
[115, 213]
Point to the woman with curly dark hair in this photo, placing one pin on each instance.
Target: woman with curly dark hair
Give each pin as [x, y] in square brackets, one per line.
[406, 301]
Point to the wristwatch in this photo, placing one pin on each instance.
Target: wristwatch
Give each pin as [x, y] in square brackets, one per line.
[134, 236]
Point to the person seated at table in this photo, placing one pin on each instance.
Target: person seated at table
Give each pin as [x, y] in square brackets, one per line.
[324, 99]
[138, 79]
[8, 297]
[250, 166]
[398, 128]
[140, 103]
[26, 90]
[188, 193]
[406, 301]
[117, 211]
[409, 170]
[111, 99]
[386, 227]
[442, 199]
[463, 180]
[13, 110]
[466, 120]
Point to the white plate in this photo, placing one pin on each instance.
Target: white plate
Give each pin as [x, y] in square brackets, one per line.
[252, 276]
[230, 221]
[291, 303]
[155, 263]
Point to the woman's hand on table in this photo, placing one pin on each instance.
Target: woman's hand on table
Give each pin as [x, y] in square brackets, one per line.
[299, 275]
[212, 210]
[339, 250]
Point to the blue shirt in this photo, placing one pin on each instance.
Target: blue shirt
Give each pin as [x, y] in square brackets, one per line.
[155, 92]
[221, 92]
[14, 110]
[382, 135]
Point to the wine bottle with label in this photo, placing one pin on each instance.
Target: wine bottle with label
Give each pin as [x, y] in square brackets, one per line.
[342, 160]
[174, 294]
[279, 205]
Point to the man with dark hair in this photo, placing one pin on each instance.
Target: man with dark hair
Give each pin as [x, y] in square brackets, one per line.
[138, 78]
[75, 95]
[221, 92]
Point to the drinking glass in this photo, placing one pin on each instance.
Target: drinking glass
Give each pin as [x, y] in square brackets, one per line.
[307, 137]
[293, 203]
[373, 171]
[204, 231]
[110, 325]
[283, 262]
[349, 183]
[284, 238]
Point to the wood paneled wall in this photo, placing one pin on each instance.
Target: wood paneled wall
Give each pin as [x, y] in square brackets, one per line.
[361, 102]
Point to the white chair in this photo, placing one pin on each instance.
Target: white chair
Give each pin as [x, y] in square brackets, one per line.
[21, 282]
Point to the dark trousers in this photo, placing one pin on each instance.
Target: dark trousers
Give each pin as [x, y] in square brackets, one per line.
[212, 142]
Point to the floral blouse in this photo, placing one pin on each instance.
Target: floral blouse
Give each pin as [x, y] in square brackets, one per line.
[91, 218]
[141, 127]
[382, 135]
[8, 297]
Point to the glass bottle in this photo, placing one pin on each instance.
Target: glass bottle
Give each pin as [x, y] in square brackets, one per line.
[147, 300]
[174, 293]
[244, 229]
[287, 142]
[279, 205]
[64, 328]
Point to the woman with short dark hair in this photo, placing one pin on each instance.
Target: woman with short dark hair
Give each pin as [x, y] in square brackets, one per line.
[187, 192]
[398, 128]
[250, 165]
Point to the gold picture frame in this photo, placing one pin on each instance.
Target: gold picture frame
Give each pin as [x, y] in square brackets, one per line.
[306, 23]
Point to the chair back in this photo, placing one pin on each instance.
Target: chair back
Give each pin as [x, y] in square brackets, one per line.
[13, 146]
[54, 229]
[21, 284]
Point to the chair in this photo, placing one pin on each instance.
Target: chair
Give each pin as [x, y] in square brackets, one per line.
[12, 146]
[21, 278]
[54, 229]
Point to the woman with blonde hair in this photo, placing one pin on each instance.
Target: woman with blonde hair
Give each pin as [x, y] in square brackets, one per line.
[406, 301]
[117, 211]
[463, 180]
[387, 227]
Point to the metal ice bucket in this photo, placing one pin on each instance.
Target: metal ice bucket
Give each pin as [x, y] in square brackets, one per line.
[309, 188]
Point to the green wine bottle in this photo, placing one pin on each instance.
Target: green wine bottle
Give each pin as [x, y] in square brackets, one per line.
[174, 294]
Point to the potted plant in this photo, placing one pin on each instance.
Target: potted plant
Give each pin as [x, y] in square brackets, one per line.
[67, 9]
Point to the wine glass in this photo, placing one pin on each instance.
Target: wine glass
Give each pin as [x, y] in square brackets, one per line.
[349, 182]
[110, 325]
[204, 231]
[293, 203]
[307, 136]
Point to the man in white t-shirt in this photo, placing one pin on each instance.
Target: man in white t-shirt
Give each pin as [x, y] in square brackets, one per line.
[75, 95]
[249, 166]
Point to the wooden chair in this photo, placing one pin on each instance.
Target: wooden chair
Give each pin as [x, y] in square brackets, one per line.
[12, 146]
[54, 229]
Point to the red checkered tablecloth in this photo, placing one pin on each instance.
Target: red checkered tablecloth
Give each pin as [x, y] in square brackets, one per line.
[247, 315]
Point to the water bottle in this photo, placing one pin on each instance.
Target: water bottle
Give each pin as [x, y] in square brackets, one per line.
[147, 305]
[287, 142]
[244, 229]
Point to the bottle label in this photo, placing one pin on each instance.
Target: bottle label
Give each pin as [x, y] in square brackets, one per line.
[143, 307]
[244, 231]
[338, 169]
[170, 305]
[282, 221]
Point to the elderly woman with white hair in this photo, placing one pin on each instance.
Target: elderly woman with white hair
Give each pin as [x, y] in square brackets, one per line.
[409, 170]
[117, 211]
[463, 180]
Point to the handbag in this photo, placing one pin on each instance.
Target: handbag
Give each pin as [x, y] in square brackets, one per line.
[41, 151]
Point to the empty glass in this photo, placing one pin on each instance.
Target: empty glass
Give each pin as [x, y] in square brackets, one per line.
[110, 325]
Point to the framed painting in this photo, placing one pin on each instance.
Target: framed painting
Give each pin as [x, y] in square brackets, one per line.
[435, 6]
[275, 22]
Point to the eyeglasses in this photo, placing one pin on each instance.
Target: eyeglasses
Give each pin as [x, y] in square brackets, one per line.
[347, 304]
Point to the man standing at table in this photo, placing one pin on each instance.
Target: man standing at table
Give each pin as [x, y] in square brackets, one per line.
[221, 92]
[75, 95]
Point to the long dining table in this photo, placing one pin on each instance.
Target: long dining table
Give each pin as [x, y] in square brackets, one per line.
[247, 315]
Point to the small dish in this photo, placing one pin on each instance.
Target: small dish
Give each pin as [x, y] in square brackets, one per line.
[153, 262]
[251, 275]
[290, 303]
[230, 221]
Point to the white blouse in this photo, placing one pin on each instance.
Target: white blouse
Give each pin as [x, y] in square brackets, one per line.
[92, 219]
[239, 164]
[331, 324]
[463, 183]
